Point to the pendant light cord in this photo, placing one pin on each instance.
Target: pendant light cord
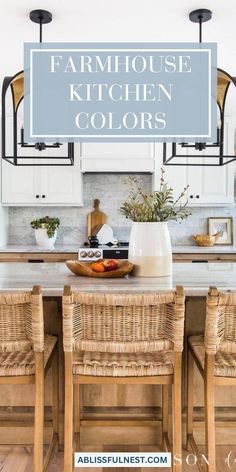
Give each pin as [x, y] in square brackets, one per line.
[200, 29]
[41, 30]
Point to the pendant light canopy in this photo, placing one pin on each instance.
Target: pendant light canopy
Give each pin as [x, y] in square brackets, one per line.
[172, 151]
[13, 134]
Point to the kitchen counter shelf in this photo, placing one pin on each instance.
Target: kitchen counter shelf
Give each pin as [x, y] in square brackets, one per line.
[60, 253]
[20, 253]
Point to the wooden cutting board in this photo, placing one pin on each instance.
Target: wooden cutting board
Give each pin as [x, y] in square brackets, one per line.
[95, 219]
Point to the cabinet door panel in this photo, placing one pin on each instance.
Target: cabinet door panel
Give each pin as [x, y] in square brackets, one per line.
[61, 185]
[214, 185]
[208, 185]
[20, 185]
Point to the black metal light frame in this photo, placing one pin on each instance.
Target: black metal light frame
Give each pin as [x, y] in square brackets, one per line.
[223, 81]
[17, 94]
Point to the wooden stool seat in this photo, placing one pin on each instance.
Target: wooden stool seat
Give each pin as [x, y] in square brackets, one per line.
[23, 362]
[123, 339]
[118, 364]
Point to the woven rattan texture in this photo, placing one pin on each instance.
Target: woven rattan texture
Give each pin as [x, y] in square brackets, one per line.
[23, 362]
[123, 323]
[220, 326]
[118, 335]
[21, 322]
[122, 364]
[225, 362]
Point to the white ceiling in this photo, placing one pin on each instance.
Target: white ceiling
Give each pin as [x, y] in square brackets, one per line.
[107, 20]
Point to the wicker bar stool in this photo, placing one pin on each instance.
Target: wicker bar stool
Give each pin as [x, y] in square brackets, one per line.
[123, 339]
[25, 358]
[215, 357]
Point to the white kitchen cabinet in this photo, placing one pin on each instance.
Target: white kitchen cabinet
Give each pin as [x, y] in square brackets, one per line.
[62, 185]
[117, 157]
[208, 186]
[42, 185]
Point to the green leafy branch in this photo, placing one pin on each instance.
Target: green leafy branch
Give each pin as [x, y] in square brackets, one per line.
[156, 206]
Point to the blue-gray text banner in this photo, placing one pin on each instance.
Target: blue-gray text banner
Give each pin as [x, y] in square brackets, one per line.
[119, 91]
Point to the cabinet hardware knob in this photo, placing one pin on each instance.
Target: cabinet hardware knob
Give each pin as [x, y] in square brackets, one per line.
[190, 196]
[37, 196]
[43, 196]
[197, 196]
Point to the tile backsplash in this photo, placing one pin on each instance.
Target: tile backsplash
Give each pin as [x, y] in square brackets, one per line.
[111, 191]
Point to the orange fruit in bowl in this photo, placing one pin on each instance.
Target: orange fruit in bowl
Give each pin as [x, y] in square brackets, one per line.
[97, 267]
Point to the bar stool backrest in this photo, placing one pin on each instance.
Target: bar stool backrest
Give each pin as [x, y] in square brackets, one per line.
[123, 322]
[21, 321]
[220, 326]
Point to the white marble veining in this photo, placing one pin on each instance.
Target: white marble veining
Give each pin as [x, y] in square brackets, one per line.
[196, 278]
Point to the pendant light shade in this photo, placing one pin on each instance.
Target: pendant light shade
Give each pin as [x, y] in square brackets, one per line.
[172, 151]
[223, 82]
[12, 127]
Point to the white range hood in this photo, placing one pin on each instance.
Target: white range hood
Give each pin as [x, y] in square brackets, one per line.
[117, 157]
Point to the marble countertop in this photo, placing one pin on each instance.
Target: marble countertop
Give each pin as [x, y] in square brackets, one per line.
[217, 249]
[15, 248]
[73, 248]
[196, 278]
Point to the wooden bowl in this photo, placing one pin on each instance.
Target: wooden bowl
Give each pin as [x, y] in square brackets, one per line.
[83, 268]
[206, 239]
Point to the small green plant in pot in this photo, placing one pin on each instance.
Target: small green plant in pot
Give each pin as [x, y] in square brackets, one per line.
[45, 231]
[150, 244]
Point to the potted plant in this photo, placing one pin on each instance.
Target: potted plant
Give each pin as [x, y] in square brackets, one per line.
[150, 245]
[45, 231]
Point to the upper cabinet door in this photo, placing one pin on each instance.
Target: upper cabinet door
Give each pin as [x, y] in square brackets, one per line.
[41, 186]
[208, 186]
[117, 157]
[214, 185]
[20, 185]
[62, 186]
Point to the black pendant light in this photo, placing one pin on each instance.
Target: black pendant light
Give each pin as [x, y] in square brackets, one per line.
[172, 156]
[16, 86]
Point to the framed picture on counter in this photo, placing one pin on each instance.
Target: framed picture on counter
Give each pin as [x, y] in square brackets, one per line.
[223, 225]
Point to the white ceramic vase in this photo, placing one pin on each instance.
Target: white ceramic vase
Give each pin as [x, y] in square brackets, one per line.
[150, 249]
[43, 240]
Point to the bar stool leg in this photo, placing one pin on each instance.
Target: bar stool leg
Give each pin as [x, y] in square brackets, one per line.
[55, 394]
[39, 412]
[68, 440]
[176, 415]
[77, 415]
[189, 398]
[210, 411]
[165, 415]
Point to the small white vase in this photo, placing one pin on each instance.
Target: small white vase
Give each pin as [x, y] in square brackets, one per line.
[150, 249]
[42, 238]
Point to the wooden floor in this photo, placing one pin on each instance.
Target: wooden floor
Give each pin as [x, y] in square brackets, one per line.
[19, 459]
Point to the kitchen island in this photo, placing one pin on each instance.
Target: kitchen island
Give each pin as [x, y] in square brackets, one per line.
[119, 400]
[196, 278]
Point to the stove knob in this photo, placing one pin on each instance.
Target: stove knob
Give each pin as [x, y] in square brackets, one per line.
[90, 254]
[83, 254]
[97, 254]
